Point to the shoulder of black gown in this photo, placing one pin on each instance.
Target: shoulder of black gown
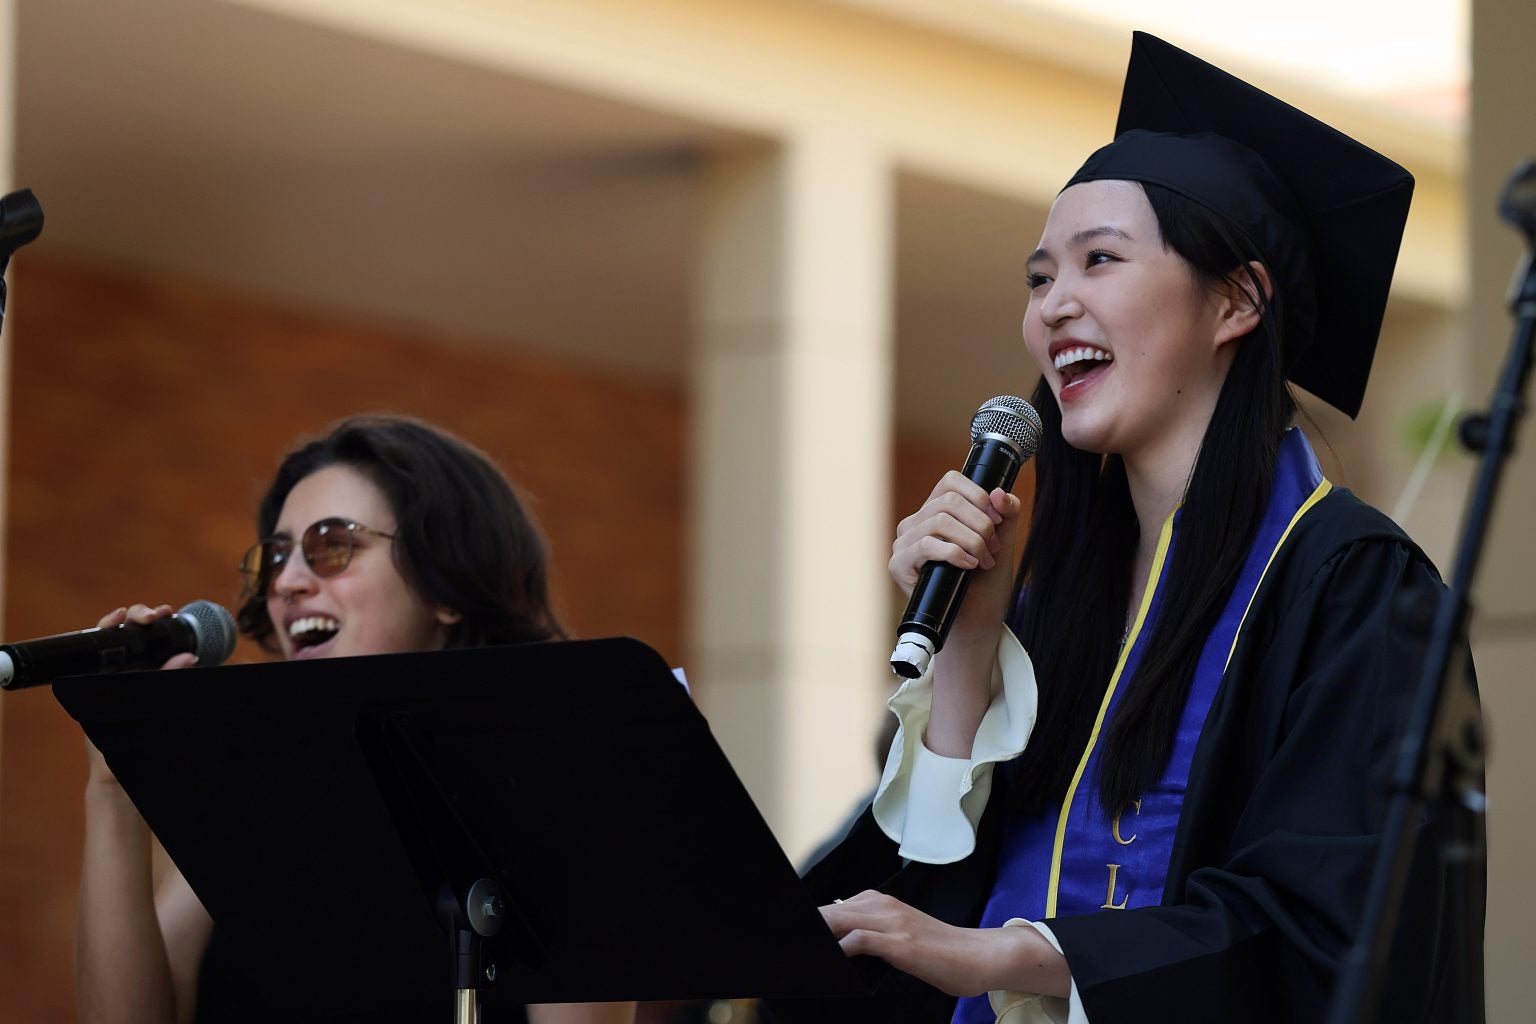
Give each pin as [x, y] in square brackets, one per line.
[1285, 799]
[1338, 520]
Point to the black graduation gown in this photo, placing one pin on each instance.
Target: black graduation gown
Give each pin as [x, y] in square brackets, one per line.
[1279, 827]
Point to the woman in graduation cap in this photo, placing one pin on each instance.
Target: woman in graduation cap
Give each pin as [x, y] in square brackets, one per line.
[1155, 794]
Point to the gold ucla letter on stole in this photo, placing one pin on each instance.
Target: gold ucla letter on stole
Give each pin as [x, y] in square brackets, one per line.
[1114, 826]
[1109, 901]
[1114, 869]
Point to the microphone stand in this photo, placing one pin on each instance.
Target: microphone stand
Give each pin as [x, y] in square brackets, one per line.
[21, 221]
[1441, 760]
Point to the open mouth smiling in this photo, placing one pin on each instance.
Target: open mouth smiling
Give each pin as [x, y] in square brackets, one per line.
[312, 631]
[1074, 362]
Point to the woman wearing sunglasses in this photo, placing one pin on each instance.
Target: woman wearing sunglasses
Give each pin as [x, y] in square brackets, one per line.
[384, 536]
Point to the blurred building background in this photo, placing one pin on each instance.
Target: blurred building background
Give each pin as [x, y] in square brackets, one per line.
[718, 283]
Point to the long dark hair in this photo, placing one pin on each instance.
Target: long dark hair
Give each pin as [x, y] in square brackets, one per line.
[1084, 528]
[462, 538]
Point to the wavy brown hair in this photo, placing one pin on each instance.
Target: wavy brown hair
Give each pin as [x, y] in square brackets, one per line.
[462, 538]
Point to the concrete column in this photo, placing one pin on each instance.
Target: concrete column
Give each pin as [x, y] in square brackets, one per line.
[1504, 630]
[791, 480]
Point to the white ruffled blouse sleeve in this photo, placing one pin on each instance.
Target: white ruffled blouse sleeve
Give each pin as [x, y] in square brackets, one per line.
[930, 805]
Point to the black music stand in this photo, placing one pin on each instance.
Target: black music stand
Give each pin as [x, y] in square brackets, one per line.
[556, 816]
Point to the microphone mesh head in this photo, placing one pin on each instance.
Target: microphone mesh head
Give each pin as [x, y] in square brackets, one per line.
[1012, 418]
[215, 629]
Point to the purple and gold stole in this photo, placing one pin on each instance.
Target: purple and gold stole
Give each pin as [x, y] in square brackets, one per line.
[1080, 858]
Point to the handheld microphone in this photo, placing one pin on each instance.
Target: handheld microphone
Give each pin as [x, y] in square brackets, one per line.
[1005, 434]
[202, 627]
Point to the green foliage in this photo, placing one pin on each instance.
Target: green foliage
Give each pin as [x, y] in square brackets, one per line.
[1422, 426]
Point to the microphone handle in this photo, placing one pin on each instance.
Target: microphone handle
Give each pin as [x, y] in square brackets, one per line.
[95, 650]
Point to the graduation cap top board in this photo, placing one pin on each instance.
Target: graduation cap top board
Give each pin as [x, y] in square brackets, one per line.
[1326, 212]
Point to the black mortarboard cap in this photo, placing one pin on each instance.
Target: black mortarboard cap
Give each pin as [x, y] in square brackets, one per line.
[1326, 212]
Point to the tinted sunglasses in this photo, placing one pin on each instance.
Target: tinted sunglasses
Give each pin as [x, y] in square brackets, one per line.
[327, 546]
